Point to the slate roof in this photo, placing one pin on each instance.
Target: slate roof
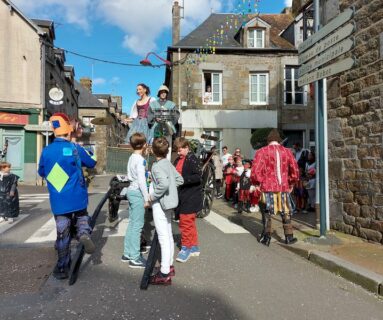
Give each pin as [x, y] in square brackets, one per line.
[198, 37]
[86, 99]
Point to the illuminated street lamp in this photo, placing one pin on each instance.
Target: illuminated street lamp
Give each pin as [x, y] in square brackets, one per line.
[146, 61]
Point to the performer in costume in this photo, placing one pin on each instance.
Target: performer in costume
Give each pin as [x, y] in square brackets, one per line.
[9, 196]
[161, 127]
[138, 118]
[61, 165]
[274, 173]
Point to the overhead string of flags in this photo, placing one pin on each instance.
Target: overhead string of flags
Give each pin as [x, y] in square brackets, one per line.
[241, 12]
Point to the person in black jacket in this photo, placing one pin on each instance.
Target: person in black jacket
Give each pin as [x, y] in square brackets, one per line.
[190, 199]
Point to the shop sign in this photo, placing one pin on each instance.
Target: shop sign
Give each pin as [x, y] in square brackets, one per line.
[13, 118]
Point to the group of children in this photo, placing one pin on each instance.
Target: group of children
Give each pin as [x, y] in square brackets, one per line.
[238, 188]
[173, 188]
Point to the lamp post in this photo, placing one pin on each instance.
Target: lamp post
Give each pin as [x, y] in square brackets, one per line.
[147, 62]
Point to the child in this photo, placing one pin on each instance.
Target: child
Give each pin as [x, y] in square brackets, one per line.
[190, 199]
[138, 199]
[9, 196]
[244, 188]
[239, 168]
[310, 187]
[164, 198]
[229, 174]
[61, 165]
[300, 192]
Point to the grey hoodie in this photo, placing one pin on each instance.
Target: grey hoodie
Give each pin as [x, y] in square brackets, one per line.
[165, 180]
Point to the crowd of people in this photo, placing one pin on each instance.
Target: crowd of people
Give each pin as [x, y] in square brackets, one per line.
[277, 179]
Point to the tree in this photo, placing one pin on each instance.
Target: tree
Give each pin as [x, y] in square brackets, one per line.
[259, 137]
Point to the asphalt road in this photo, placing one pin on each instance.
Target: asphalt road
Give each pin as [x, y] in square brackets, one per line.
[234, 278]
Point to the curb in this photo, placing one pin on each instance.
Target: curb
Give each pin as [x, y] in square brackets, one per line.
[367, 279]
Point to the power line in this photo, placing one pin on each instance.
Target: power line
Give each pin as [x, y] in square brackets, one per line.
[107, 61]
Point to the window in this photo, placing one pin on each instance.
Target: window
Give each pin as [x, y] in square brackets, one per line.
[293, 93]
[256, 38]
[88, 124]
[212, 143]
[212, 88]
[259, 88]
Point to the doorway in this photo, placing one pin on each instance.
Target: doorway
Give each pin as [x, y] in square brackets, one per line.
[15, 150]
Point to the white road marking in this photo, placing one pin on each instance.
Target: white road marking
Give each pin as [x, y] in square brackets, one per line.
[4, 226]
[31, 200]
[120, 227]
[224, 224]
[45, 233]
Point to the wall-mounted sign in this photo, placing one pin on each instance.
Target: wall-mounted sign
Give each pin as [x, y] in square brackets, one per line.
[327, 29]
[13, 118]
[325, 72]
[337, 36]
[56, 95]
[327, 56]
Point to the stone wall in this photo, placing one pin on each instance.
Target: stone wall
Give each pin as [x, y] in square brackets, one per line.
[355, 129]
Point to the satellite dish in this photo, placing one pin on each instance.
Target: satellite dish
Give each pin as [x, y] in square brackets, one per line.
[102, 121]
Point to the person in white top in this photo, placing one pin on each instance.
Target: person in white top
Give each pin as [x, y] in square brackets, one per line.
[225, 157]
[138, 198]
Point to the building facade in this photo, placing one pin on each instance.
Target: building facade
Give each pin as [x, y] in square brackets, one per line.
[247, 81]
[355, 123]
[111, 130]
[29, 69]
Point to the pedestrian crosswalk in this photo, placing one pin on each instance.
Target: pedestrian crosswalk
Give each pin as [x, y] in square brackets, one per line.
[33, 198]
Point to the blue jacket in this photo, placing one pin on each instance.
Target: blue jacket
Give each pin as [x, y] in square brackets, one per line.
[61, 165]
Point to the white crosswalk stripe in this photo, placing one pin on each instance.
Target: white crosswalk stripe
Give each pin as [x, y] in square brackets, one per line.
[4, 226]
[119, 228]
[33, 198]
[45, 233]
[224, 224]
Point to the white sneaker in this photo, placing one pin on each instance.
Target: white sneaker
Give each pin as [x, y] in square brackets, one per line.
[2, 219]
[10, 220]
[254, 209]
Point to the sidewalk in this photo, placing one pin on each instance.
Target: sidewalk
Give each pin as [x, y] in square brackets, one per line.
[353, 258]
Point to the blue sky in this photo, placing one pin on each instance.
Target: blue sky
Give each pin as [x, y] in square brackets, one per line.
[124, 31]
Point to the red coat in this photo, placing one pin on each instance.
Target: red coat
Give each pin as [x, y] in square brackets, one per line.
[273, 173]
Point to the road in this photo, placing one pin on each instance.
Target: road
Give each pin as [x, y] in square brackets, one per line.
[234, 278]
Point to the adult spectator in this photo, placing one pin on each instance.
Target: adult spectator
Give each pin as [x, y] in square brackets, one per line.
[301, 155]
[274, 173]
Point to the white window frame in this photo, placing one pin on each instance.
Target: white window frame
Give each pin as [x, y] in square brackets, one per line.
[219, 73]
[211, 143]
[253, 32]
[304, 97]
[257, 101]
[89, 124]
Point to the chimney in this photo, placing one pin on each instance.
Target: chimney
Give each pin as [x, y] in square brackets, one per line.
[176, 11]
[86, 83]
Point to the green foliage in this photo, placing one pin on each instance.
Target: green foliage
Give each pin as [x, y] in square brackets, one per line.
[259, 137]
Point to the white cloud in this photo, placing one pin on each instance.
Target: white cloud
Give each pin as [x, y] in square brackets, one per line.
[288, 3]
[115, 80]
[71, 11]
[142, 21]
[98, 81]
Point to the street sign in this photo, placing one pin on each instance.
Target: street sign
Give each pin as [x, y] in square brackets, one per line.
[37, 127]
[337, 36]
[327, 56]
[328, 28]
[325, 72]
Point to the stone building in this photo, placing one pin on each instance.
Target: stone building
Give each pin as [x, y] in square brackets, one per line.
[29, 69]
[355, 124]
[251, 72]
[98, 138]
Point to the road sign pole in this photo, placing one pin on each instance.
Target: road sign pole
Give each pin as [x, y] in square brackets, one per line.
[321, 138]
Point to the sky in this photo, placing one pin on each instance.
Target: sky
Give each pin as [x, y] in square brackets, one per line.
[125, 31]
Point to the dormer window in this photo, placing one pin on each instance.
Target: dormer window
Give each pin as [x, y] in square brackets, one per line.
[256, 38]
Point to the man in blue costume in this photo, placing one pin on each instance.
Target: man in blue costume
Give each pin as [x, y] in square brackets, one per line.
[163, 117]
[61, 165]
